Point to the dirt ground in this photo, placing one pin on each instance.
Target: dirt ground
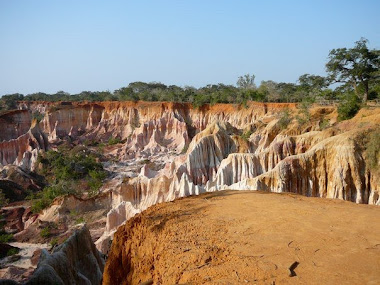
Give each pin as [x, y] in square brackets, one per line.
[238, 237]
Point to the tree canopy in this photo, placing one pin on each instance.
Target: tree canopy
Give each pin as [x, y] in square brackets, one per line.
[357, 66]
[246, 81]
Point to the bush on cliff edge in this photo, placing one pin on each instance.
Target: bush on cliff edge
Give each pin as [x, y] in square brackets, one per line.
[348, 107]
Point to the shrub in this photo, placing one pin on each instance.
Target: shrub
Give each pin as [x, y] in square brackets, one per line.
[45, 232]
[12, 251]
[97, 174]
[324, 124]
[145, 161]
[88, 142]
[64, 168]
[4, 237]
[79, 220]
[94, 187]
[285, 119]
[54, 242]
[304, 115]
[95, 181]
[39, 205]
[246, 135]
[48, 194]
[112, 141]
[38, 116]
[348, 107]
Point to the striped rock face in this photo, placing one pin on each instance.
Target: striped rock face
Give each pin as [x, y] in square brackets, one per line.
[171, 150]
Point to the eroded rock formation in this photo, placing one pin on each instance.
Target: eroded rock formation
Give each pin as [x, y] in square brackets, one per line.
[14, 124]
[23, 150]
[76, 261]
[172, 150]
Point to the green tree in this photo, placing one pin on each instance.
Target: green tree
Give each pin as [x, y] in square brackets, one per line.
[246, 82]
[312, 86]
[349, 106]
[356, 66]
[270, 90]
[287, 91]
[10, 100]
[310, 82]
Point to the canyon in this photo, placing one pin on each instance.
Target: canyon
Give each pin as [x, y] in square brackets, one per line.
[165, 151]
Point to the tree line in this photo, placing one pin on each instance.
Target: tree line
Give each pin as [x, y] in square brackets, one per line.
[352, 76]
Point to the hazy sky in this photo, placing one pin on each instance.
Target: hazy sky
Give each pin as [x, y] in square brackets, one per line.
[103, 45]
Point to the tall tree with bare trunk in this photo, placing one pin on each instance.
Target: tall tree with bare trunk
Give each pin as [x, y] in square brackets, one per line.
[357, 66]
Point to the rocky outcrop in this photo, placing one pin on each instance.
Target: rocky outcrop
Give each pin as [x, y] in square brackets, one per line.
[327, 164]
[64, 205]
[76, 261]
[206, 152]
[23, 151]
[240, 166]
[164, 134]
[68, 121]
[14, 124]
[15, 182]
[331, 169]
[13, 218]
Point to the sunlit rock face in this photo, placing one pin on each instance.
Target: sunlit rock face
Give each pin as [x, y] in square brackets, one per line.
[23, 151]
[146, 128]
[71, 122]
[187, 151]
[331, 169]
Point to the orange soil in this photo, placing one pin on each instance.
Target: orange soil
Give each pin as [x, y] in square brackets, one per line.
[248, 237]
[109, 105]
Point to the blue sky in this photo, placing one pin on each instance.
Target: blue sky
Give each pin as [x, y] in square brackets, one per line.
[103, 45]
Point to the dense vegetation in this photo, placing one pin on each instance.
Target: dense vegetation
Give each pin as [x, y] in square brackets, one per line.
[353, 72]
[72, 171]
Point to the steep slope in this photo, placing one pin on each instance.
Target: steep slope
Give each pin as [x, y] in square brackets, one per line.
[330, 169]
[14, 124]
[23, 150]
[15, 182]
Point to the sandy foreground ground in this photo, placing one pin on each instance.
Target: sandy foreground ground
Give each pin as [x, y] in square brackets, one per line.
[238, 237]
